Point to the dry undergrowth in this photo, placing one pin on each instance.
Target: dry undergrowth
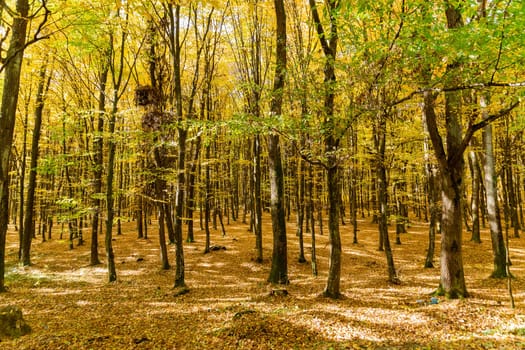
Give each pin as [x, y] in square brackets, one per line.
[69, 305]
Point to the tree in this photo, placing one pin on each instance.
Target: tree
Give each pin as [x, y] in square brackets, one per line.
[175, 50]
[328, 41]
[12, 66]
[29, 227]
[493, 212]
[450, 161]
[279, 271]
[98, 158]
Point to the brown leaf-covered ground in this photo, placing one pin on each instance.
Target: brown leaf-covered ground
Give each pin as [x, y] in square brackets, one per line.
[69, 305]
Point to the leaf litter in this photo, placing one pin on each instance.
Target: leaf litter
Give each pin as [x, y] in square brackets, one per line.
[229, 305]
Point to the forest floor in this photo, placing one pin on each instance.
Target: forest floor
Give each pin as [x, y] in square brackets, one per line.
[69, 304]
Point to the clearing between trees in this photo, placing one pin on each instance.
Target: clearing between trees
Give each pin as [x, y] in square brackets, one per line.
[69, 305]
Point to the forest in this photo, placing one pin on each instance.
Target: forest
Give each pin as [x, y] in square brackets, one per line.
[262, 174]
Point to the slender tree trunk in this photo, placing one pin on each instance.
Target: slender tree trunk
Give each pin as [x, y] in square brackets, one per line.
[310, 217]
[207, 202]
[181, 159]
[512, 211]
[191, 189]
[162, 236]
[28, 227]
[433, 196]
[382, 182]
[279, 270]
[493, 213]
[110, 256]
[257, 201]
[21, 180]
[476, 179]
[331, 144]
[300, 207]
[98, 165]
[353, 186]
[117, 75]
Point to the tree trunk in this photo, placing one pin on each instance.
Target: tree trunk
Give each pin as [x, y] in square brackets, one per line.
[300, 207]
[28, 227]
[331, 144]
[110, 256]
[257, 201]
[310, 218]
[165, 264]
[98, 166]
[175, 18]
[451, 164]
[191, 189]
[452, 283]
[382, 182]
[179, 210]
[12, 67]
[474, 205]
[493, 213]
[279, 270]
[431, 173]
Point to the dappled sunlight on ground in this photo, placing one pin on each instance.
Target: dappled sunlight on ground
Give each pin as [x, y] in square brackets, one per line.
[69, 304]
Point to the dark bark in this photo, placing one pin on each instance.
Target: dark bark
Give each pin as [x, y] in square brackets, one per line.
[433, 197]
[175, 47]
[279, 270]
[382, 181]
[331, 144]
[207, 202]
[98, 165]
[110, 255]
[28, 227]
[21, 183]
[257, 200]
[117, 70]
[190, 237]
[12, 68]
[164, 260]
[474, 203]
[300, 207]
[310, 218]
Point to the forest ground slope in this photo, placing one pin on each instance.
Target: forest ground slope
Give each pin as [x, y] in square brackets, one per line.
[69, 305]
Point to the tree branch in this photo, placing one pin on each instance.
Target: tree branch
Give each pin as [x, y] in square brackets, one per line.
[475, 127]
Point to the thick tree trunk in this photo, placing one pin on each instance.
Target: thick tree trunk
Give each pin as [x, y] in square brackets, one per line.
[12, 70]
[279, 270]
[452, 283]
